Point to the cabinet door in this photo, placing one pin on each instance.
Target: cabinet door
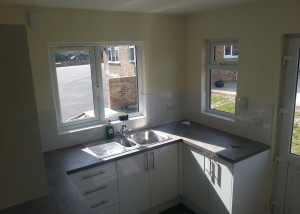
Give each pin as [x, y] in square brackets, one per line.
[219, 173]
[164, 174]
[134, 186]
[194, 181]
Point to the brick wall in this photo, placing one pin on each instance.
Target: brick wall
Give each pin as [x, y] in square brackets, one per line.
[123, 68]
[122, 91]
[119, 79]
[225, 75]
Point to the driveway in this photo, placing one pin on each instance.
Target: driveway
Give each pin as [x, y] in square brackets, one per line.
[75, 90]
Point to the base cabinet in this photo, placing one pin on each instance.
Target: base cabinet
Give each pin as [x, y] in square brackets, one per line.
[194, 182]
[99, 187]
[134, 180]
[148, 179]
[215, 186]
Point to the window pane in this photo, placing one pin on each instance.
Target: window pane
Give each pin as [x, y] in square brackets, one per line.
[74, 80]
[120, 83]
[227, 49]
[131, 54]
[226, 53]
[223, 90]
[235, 50]
[295, 144]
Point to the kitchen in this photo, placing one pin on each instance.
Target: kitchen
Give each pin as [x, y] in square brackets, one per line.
[174, 59]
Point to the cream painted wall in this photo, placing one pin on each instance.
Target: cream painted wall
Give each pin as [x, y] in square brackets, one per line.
[261, 28]
[163, 38]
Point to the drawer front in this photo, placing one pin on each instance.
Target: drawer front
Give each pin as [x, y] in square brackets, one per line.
[102, 201]
[99, 187]
[114, 209]
[94, 174]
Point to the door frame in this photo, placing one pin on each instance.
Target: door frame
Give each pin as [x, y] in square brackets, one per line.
[285, 122]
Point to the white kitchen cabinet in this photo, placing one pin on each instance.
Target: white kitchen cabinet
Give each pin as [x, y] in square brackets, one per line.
[220, 177]
[134, 180]
[194, 182]
[99, 187]
[147, 180]
[216, 186]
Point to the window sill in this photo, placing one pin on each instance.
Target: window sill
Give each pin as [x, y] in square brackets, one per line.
[89, 127]
[115, 63]
[221, 117]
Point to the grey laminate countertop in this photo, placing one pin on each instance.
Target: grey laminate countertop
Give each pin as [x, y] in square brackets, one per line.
[63, 197]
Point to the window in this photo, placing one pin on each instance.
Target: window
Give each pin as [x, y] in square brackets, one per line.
[231, 51]
[222, 77]
[131, 53]
[88, 89]
[113, 54]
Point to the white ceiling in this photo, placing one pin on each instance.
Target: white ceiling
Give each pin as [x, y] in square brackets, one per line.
[144, 6]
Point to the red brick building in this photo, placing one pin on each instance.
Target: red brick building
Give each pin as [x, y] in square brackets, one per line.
[119, 77]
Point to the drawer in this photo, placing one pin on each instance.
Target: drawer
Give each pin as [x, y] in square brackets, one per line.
[94, 174]
[114, 209]
[99, 187]
[102, 201]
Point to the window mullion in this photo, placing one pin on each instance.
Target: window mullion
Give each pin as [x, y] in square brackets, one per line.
[99, 89]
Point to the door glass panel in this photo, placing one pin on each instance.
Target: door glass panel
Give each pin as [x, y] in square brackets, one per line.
[295, 145]
[73, 71]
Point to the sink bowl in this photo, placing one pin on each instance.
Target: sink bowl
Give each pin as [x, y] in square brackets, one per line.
[125, 142]
[148, 137]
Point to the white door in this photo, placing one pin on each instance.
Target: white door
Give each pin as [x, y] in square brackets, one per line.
[164, 174]
[134, 186]
[288, 179]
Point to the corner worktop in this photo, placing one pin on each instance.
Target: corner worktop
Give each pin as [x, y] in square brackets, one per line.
[63, 196]
[227, 146]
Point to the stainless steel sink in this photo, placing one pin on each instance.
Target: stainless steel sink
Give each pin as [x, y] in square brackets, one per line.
[125, 142]
[148, 137]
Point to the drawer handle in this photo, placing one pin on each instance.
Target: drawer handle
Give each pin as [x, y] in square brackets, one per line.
[95, 190]
[93, 175]
[99, 204]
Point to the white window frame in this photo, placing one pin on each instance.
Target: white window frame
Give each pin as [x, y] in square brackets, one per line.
[212, 64]
[98, 92]
[113, 54]
[229, 56]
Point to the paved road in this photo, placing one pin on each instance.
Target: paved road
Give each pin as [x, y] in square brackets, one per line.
[75, 90]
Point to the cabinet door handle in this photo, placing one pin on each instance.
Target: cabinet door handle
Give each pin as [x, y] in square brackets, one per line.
[93, 175]
[153, 160]
[210, 171]
[99, 204]
[95, 190]
[146, 162]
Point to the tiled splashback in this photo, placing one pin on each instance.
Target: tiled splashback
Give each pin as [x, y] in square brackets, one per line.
[158, 109]
[254, 122]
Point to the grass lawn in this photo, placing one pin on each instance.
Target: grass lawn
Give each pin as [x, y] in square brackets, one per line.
[227, 104]
[224, 103]
[296, 134]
